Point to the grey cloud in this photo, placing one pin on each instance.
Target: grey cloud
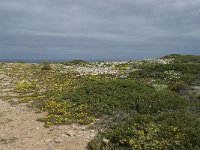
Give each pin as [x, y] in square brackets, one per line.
[98, 29]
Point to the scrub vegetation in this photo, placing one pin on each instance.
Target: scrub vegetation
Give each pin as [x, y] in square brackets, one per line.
[147, 104]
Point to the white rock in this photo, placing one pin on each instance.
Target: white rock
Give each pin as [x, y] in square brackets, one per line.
[47, 140]
[58, 140]
[105, 140]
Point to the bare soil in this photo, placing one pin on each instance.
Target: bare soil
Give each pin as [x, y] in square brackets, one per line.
[20, 130]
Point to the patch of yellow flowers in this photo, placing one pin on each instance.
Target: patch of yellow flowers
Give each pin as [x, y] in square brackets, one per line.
[148, 138]
[44, 89]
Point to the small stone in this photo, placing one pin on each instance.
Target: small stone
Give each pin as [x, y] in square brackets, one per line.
[83, 128]
[105, 141]
[71, 133]
[92, 135]
[49, 132]
[47, 140]
[64, 135]
[58, 140]
[92, 131]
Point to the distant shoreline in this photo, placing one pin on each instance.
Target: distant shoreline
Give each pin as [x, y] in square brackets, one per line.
[55, 60]
[29, 60]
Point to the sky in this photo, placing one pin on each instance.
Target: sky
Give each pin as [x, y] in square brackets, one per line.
[98, 29]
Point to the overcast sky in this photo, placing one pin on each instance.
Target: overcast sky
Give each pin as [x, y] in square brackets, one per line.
[98, 29]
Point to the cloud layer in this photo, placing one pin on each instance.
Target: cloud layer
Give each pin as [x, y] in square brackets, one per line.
[106, 29]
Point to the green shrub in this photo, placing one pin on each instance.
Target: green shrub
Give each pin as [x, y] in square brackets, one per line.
[115, 96]
[171, 130]
[25, 87]
[75, 62]
[173, 75]
[183, 58]
[46, 66]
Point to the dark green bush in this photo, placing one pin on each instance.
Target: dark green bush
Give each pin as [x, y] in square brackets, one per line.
[46, 66]
[169, 130]
[75, 62]
[173, 75]
[115, 96]
[183, 58]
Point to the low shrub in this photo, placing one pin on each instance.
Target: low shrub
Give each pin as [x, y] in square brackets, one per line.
[169, 130]
[115, 96]
[46, 66]
[177, 58]
[75, 62]
[175, 75]
[25, 87]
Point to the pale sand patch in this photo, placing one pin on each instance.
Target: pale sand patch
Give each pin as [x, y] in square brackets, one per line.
[19, 129]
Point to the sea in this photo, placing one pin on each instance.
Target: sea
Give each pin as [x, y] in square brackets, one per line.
[30, 60]
[52, 60]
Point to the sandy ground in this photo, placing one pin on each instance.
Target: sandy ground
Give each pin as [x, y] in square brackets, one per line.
[19, 129]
